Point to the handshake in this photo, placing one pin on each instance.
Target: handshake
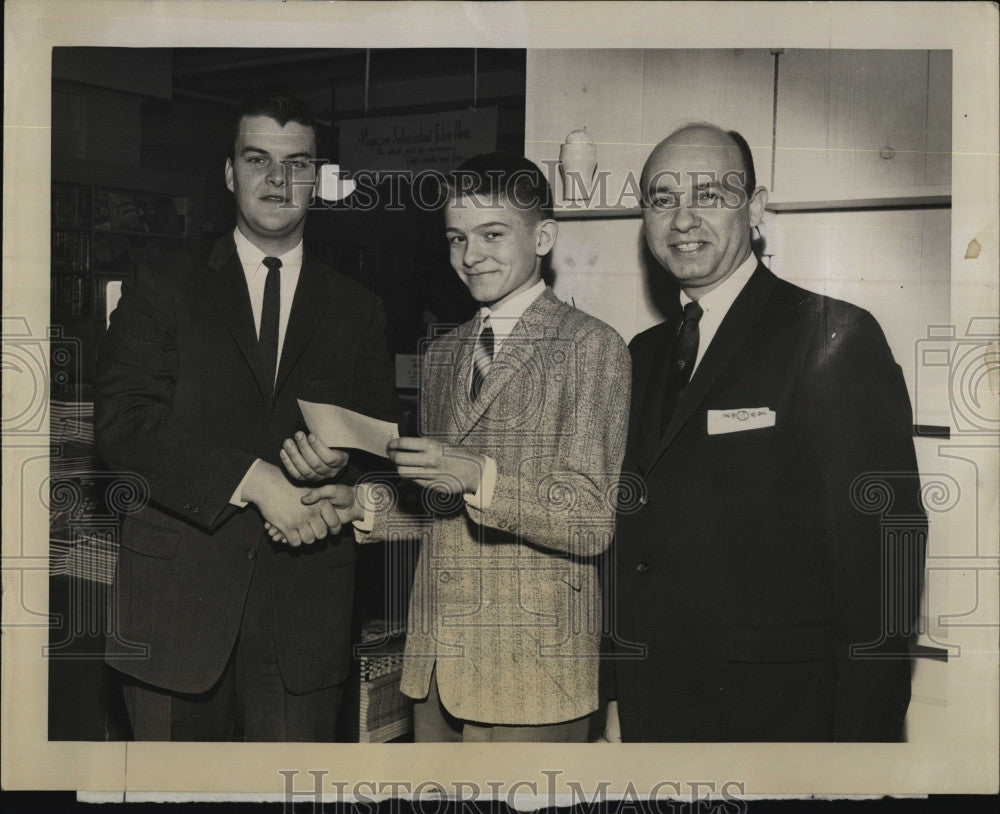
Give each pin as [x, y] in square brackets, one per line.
[295, 513]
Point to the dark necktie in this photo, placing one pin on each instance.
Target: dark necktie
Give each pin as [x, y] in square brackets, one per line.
[267, 342]
[682, 356]
[482, 359]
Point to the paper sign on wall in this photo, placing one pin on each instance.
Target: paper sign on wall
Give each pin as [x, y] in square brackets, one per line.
[426, 141]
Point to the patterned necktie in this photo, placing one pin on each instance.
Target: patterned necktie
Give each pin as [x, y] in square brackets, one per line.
[482, 359]
[267, 342]
[682, 356]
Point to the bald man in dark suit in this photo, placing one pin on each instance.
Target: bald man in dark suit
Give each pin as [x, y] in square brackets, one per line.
[760, 596]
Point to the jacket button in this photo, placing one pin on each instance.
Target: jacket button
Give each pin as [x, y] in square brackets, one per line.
[445, 576]
[642, 567]
[250, 553]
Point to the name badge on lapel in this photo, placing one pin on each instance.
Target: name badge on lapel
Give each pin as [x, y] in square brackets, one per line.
[740, 419]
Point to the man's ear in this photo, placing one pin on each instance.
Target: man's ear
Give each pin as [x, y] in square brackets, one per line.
[229, 175]
[756, 207]
[545, 236]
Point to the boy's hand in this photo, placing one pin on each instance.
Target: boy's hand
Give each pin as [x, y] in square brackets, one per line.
[445, 467]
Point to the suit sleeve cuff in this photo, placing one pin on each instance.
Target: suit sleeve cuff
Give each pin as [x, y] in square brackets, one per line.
[236, 499]
[484, 495]
[363, 526]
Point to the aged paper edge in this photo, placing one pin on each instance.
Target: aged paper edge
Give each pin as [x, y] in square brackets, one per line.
[963, 759]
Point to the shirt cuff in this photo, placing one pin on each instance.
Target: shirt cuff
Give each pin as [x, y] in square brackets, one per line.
[484, 495]
[363, 526]
[236, 500]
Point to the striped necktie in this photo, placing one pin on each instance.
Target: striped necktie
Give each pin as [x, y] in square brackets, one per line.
[482, 359]
[267, 342]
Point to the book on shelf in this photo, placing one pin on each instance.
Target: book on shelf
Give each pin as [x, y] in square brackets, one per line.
[71, 295]
[70, 250]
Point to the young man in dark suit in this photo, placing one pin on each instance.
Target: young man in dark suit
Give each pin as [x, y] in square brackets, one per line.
[216, 628]
[767, 598]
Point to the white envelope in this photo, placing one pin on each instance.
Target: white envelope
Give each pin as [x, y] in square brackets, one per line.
[343, 428]
[739, 419]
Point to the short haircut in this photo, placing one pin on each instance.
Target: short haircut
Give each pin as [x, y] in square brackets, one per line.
[750, 182]
[283, 109]
[504, 176]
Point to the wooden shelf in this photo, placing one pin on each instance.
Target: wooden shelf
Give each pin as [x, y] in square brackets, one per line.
[584, 212]
[875, 202]
[830, 202]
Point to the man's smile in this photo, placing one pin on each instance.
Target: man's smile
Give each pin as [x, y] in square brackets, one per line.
[688, 248]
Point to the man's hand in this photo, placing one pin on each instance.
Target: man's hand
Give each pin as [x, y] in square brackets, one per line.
[342, 499]
[306, 457]
[280, 503]
[445, 467]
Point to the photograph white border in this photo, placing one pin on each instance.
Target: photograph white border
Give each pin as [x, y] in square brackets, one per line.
[962, 760]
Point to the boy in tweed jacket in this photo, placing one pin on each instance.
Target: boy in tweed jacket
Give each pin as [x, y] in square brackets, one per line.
[523, 417]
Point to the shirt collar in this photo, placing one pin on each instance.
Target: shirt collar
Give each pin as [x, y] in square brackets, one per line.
[251, 257]
[724, 295]
[505, 317]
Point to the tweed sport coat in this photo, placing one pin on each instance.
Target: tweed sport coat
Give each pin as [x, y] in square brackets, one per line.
[506, 600]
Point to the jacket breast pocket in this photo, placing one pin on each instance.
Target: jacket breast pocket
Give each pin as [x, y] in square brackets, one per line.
[740, 438]
[792, 643]
[149, 539]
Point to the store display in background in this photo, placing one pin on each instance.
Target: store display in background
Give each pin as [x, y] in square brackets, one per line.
[383, 711]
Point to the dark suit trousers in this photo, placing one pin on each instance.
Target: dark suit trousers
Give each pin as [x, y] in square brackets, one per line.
[248, 699]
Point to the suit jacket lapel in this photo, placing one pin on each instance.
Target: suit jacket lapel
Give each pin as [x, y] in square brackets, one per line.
[445, 406]
[650, 386]
[310, 306]
[515, 352]
[228, 287]
[733, 334]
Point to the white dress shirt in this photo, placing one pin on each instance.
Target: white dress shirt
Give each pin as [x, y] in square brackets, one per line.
[252, 260]
[716, 304]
